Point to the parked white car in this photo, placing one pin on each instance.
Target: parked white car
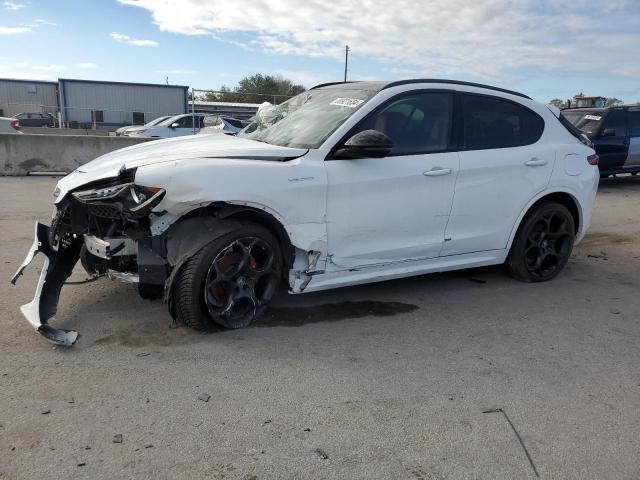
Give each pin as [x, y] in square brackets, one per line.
[176, 126]
[127, 130]
[347, 183]
[9, 125]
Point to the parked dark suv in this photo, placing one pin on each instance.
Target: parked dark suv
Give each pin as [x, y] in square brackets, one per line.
[615, 133]
[36, 119]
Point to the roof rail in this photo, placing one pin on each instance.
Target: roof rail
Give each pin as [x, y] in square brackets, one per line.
[329, 84]
[454, 82]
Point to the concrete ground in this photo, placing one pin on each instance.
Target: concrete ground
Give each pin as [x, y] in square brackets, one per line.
[383, 381]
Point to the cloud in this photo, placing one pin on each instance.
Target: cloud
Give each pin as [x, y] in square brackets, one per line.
[25, 75]
[26, 70]
[14, 30]
[485, 39]
[133, 41]
[13, 6]
[86, 65]
[47, 67]
[16, 71]
[42, 21]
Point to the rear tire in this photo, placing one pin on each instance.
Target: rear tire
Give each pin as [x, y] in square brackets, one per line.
[230, 281]
[543, 243]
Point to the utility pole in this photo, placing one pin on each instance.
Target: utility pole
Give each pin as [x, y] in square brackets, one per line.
[346, 61]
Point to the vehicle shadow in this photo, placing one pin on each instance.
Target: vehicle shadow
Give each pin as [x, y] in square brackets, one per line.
[619, 181]
[113, 313]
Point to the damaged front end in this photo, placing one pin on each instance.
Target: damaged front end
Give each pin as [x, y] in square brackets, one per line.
[106, 225]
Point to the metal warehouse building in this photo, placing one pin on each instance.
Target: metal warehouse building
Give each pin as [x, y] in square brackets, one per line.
[111, 104]
[30, 96]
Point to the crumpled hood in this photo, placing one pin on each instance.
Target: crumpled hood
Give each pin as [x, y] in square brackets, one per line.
[172, 149]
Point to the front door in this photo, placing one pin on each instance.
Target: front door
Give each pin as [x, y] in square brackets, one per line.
[395, 209]
[185, 126]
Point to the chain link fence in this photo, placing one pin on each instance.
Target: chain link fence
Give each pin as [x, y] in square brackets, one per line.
[218, 102]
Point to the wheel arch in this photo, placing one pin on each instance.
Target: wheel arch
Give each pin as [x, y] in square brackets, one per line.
[248, 213]
[563, 197]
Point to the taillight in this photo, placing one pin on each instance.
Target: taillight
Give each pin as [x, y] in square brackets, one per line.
[15, 124]
[593, 159]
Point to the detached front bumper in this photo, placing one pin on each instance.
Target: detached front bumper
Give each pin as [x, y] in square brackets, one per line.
[58, 265]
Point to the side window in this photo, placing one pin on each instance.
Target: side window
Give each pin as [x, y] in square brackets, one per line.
[185, 122]
[634, 123]
[419, 123]
[490, 122]
[616, 120]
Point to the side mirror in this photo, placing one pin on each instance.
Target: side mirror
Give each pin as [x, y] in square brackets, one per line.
[608, 132]
[174, 125]
[366, 144]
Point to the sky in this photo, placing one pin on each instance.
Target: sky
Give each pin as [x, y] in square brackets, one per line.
[544, 48]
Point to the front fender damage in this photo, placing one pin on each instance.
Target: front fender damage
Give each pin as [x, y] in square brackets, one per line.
[57, 267]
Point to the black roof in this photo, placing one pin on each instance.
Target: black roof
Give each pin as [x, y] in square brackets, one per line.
[382, 85]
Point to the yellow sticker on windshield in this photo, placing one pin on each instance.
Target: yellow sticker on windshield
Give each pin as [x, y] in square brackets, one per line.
[347, 102]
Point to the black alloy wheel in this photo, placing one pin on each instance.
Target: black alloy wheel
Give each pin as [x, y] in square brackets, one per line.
[543, 244]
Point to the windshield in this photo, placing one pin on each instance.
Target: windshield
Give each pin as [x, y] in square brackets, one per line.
[156, 121]
[169, 120]
[587, 122]
[306, 120]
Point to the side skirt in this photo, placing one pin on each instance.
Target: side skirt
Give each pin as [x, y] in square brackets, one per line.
[378, 273]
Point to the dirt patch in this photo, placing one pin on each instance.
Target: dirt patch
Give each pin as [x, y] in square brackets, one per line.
[598, 239]
[163, 337]
[32, 163]
[273, 317]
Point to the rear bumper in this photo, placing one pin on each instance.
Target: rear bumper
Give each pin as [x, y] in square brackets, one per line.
[57, 267]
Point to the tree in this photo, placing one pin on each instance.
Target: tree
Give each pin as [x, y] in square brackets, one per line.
[556, 102]
[257, 88]
[611, 102]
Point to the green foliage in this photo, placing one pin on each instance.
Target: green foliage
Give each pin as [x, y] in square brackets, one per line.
[556, 102]
[257, 88]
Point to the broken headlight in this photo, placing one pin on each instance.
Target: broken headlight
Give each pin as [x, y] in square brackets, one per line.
[132, 197]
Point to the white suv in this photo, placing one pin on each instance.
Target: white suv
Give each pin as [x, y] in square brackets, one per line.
[346, 183]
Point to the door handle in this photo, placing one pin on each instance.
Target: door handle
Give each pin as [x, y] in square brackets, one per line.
[437, 172]
[535, 162]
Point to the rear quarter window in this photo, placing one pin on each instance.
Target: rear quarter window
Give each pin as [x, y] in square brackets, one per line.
[491, 122]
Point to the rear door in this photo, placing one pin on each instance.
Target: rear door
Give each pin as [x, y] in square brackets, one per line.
[633, 157]
[502, 166]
